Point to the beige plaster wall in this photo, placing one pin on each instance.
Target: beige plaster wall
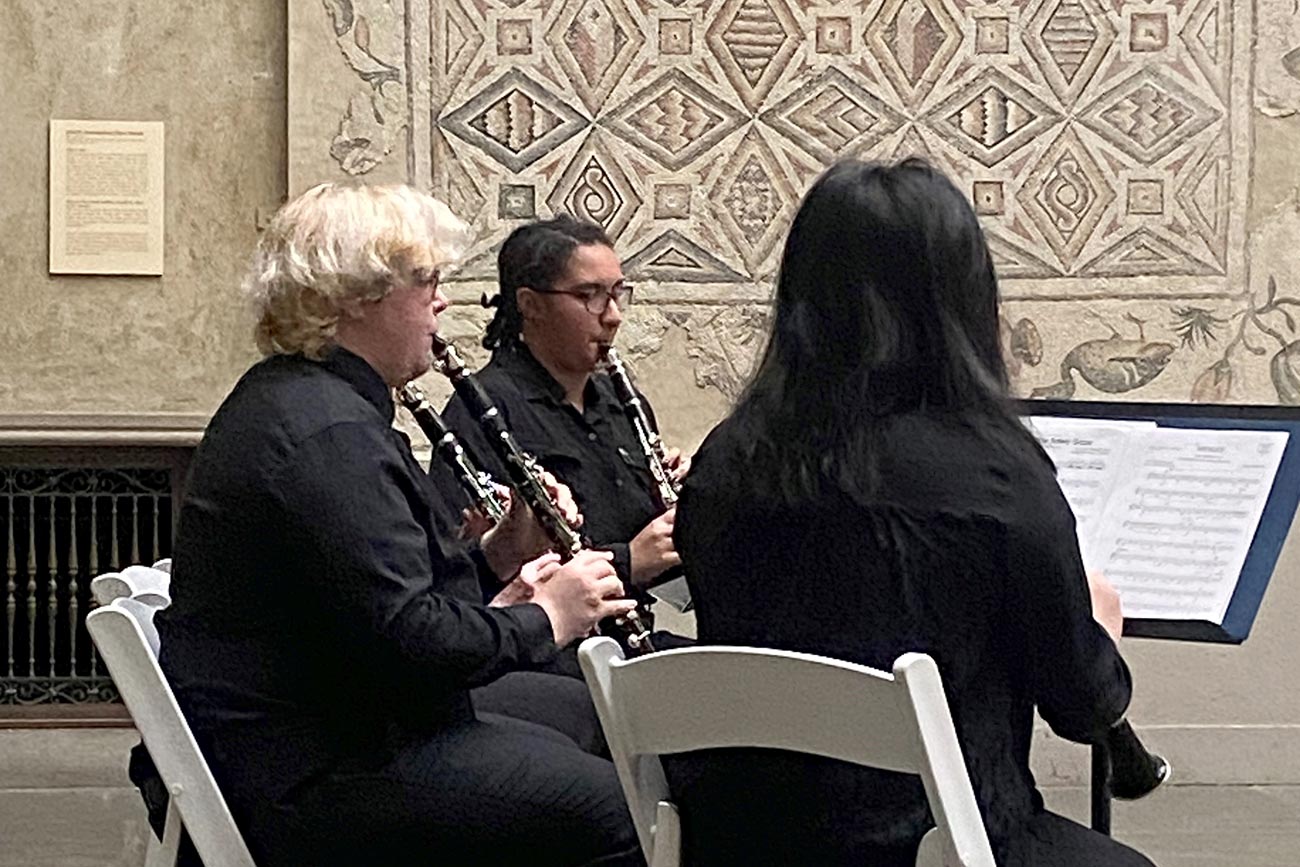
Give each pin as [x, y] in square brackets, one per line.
[214, 73]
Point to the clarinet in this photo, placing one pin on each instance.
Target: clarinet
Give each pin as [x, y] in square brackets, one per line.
[652, 445]
[525, 476]
[1134, 770]
[473, 481]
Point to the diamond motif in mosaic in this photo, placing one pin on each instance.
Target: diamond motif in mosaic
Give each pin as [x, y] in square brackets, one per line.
[1149, 115]
[1066, 196]
[753, 41]
[674, 258]
[913, 40]
[595, 187]
[515, 121]
[1069, 39]
[464, 196]
[1208, 37]
[753, 199]
[595, 41]
[1012, 260]
[991, 118]
[1204, 198]
[1144, 252]
[460, 41]
[832, 115]
[674, 119]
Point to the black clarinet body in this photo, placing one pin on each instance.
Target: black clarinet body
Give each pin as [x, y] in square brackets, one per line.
[652, 445]
[476, 484]
[525, 478]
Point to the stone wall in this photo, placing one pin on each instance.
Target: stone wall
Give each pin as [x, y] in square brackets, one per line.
[214, 73]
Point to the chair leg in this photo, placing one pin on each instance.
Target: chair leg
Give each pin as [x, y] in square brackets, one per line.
[667, 837]
[165, 852]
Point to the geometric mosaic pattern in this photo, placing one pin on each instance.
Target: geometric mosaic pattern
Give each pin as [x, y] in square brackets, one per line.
[1100, 140]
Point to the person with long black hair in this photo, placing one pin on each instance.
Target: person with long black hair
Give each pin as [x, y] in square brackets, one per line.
[872, 493]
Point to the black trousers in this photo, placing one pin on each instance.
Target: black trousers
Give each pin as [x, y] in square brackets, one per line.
[494, 791]
[556, 701]
[524, 712]
[1049, 839]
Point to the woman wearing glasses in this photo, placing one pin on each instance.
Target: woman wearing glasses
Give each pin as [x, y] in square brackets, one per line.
[562, 300]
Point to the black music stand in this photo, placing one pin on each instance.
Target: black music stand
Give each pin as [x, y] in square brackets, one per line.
[1270, 535]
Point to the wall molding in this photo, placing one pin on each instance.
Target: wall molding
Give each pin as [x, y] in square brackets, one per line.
[180, 430]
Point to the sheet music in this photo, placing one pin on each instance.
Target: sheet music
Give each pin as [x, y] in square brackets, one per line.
[1091, 455]
[1182, 518]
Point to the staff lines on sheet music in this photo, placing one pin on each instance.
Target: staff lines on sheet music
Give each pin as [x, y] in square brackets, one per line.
[1166, 560]
[1237, 484]
[1167, 493]
[1124, 544]
[1166, 590]
[1154, 607]
[1188, 511]
[1088, 466]
[1155, 527]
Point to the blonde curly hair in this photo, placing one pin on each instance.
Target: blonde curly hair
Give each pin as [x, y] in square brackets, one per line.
[338, 245]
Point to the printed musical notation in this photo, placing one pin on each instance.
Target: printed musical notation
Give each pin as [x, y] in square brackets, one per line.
[1168, 514]
[1089, 457]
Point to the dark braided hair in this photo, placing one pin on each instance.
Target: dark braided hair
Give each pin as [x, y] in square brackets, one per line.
[534, 255]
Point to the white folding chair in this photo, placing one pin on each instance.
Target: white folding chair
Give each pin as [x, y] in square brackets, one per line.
[706, 697]
[124, 633]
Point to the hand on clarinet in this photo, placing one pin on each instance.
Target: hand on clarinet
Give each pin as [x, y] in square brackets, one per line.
[580, 594]
[522, 587]
[677, 464]
[519, 538]
[651, 552]
[474, 524]
[1106, 605]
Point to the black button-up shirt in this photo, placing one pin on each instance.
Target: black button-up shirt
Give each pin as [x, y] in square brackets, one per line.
[316, 601]
[595, 452]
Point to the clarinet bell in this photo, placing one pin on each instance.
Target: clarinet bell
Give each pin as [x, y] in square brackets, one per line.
[1135, 772]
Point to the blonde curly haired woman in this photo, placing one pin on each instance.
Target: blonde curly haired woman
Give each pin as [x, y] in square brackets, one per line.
[325, 631]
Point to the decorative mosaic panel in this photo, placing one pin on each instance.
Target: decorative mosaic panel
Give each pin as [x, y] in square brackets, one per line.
[1106, 145]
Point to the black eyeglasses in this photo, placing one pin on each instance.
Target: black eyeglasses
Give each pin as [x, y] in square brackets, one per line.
[596, 298]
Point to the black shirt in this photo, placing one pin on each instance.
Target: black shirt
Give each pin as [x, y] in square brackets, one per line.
[595, 452]
[966, 551]
[316, 601]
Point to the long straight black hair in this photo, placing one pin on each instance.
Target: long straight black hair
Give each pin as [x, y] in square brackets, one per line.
[886, 303]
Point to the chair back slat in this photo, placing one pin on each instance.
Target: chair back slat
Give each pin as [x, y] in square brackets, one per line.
[764, 698]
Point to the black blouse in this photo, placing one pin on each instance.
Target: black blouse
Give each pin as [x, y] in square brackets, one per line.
[966, 552]
[595, 452]
[318, 601]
